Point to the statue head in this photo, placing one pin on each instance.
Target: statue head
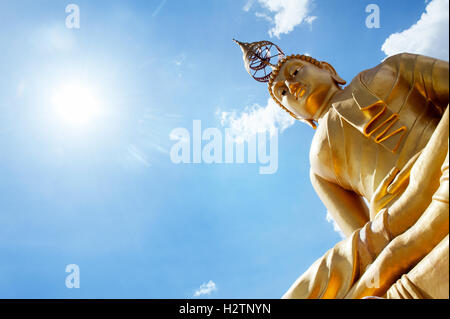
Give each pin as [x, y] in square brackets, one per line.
[299, 84]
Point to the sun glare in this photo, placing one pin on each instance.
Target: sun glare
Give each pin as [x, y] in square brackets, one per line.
[76, 104]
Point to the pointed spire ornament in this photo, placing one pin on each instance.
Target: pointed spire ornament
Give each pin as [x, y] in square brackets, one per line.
[260, 58]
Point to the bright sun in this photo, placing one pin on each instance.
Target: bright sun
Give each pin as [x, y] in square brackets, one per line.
[76, 104]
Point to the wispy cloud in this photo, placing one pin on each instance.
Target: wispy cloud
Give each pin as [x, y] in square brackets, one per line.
[309, 20]
[160, 6]
[335, 225]
[287, 14]
[428, 36]
[206, 289]
[53, 38]
[180, 62]
[139, 156]
[248, 5]
[179, 59]
[264, 16]
[255, 119]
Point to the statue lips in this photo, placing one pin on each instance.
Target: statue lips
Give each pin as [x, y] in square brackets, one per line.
[301, 92]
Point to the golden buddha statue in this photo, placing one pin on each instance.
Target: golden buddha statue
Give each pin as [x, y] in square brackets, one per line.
[379, 163]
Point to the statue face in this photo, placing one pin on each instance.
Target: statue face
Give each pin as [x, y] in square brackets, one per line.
[302, 87]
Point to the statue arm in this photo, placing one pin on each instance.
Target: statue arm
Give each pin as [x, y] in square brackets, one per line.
[440, 84]
[347, 208]
[415, 223]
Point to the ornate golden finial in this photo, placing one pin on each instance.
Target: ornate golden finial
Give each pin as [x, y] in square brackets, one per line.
[260, 58]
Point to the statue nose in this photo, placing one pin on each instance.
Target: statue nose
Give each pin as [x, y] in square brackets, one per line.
[293, 86]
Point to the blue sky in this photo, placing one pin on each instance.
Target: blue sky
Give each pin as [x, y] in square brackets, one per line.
[106, 195]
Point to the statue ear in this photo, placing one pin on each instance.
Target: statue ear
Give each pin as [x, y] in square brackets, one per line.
[333, 73]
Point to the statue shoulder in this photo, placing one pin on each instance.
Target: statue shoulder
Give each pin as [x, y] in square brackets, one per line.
[394, 62]
[382, 77]
[402, 66]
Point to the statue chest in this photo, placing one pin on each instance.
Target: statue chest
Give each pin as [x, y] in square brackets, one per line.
[368, 136]
[341, 154]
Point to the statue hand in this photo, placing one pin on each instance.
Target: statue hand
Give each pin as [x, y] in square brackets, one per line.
[393, 184]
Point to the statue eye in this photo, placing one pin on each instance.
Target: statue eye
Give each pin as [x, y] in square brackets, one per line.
[283, 93]
[296, 70]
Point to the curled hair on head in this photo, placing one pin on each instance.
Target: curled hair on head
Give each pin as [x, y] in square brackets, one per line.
[303, 57]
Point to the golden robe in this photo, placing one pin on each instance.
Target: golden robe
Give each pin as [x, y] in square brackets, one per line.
[386, 141]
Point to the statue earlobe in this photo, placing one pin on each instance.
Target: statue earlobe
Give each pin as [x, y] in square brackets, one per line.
[309, 122]
[333, 73]
[338, 79]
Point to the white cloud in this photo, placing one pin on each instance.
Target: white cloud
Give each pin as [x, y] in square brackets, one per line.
[256, 119]
[206, 289]
[428, 36]
[287, 14]
[335, 225]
